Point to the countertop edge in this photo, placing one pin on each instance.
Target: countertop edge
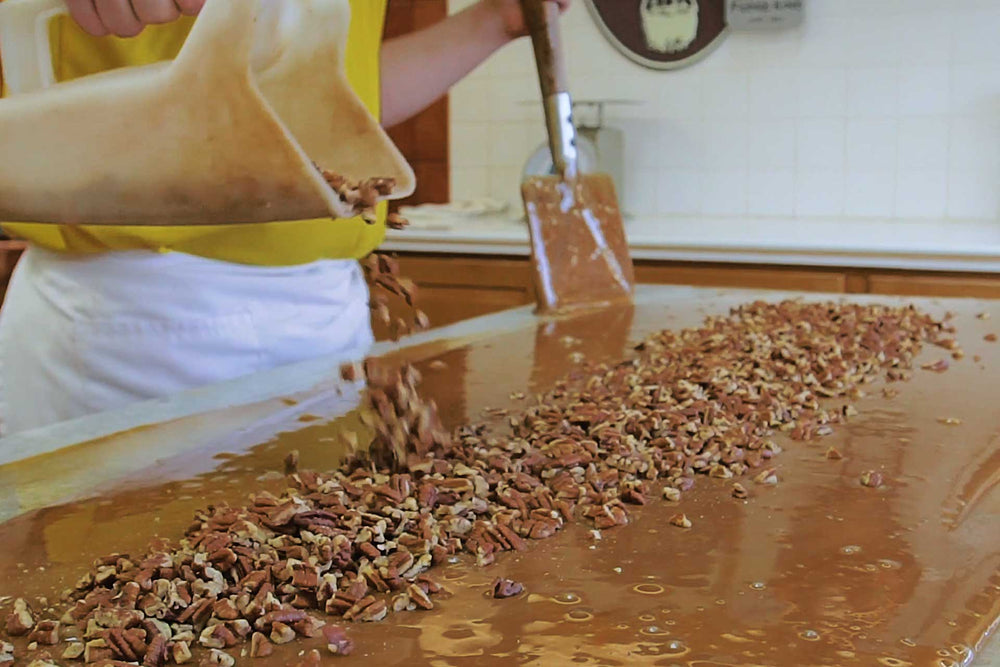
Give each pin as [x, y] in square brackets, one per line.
[963, 247]
[983, 263]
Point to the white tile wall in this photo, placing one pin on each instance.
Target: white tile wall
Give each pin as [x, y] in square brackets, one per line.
[886, 110]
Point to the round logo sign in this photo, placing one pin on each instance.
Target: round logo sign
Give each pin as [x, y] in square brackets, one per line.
[661, 34]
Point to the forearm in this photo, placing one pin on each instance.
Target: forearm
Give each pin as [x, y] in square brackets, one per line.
[420, 67]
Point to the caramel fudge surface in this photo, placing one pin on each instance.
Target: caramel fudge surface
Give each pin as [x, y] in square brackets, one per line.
[872, 541]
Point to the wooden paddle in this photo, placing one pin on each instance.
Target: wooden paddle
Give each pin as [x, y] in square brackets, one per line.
[578, 243]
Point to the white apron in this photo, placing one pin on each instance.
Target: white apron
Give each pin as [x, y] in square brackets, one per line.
[84, 334]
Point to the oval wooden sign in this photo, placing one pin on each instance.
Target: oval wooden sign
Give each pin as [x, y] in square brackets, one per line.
[661, 34]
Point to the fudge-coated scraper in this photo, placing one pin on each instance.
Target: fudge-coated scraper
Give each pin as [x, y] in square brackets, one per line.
[578, 245]
[228, 132]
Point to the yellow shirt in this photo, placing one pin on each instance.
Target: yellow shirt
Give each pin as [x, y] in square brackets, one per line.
[76, 54]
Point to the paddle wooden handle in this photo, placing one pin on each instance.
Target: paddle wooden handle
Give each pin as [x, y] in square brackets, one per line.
[542, 19]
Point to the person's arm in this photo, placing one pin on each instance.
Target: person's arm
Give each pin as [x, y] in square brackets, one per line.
[127, 18]
[420, 67]
[416, 69]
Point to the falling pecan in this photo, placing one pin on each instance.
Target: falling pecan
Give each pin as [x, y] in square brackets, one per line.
[939, 366]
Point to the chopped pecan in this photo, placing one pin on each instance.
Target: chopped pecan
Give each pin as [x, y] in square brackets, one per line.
[20, 621]
[337, 641]
[505, 588]
[260, 646]
[180, 652]
[156, 652]
[281, 633]
[217, 636]
[45, 633]
[419, 597]
[373, 612]
[220, 658]
[871, 478]
[310, 626]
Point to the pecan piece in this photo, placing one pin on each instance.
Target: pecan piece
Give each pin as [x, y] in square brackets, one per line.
[871, 479]
[20, 621]
[768, 476]
[310, 626]
[284, 615]
[939, 366]
[292, 462]
[156, 652]
[217, 636]
[680, 520]
[373, 612]
[220, 658]
[180, 652]
[358, 607]
[311, 659]
[505, 588]
[419, 597]
[97, 649]
[281, 633]
[73, 651]
[226, 610]
[260, 646]
[337, 641]
[45, 633]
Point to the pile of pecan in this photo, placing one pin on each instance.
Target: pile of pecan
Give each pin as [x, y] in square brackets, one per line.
[356, 543]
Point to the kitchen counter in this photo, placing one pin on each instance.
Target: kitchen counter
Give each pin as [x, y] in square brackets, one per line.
[933, 246]
[817, 570]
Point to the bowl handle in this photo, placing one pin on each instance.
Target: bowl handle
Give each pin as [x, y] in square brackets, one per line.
[24, 43]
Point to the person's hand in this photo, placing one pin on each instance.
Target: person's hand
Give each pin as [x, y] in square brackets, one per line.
[127, 18]
[513, 20]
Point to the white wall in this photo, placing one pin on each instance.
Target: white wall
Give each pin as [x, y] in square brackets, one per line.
[873, 109]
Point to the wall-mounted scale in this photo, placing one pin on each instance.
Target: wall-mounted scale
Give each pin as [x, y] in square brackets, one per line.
[669, 34]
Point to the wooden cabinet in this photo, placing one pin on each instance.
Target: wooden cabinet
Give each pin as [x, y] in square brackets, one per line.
[748, 277]
[972, 286]
[457, 287]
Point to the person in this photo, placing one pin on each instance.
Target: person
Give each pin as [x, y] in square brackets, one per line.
[97, 317]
